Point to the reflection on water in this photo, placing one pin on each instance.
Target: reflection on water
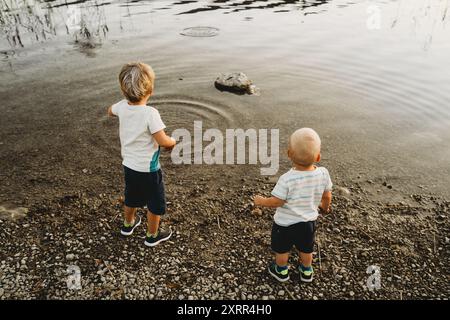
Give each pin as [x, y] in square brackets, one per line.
[89, 24]
[372, 68]
[323, 41]
[25, 22]
[229, 6]
[17, 17]
[423, 19]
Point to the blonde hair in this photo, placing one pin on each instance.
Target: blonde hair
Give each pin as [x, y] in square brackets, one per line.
[305, 146]
[136, 81]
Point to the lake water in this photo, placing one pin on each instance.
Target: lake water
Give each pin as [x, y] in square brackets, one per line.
[371, 76]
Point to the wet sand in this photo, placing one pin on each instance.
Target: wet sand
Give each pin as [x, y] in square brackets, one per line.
[60, 158]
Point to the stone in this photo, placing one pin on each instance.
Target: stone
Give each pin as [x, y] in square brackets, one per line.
[342, 191]
[236, 82]
[13, 214]
[70, 257]
[257, 212]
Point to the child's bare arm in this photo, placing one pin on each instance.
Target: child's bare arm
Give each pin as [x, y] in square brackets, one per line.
[164, 140]
[272, 202]
[326, 202]
[110, 113]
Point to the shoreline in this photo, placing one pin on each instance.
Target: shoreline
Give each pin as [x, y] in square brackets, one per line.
[376, 98]
[220, 249]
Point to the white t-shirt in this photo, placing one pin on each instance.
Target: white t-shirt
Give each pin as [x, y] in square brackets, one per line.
[302, 191]
[140, 151]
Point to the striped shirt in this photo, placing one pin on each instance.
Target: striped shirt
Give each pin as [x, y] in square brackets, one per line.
[302, 191]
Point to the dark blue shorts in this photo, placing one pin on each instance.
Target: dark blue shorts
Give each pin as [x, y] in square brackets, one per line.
[145, 189]
[301, 235]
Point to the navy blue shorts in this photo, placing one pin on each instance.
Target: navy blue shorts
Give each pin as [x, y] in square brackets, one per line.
[145, 189]
[301, 235]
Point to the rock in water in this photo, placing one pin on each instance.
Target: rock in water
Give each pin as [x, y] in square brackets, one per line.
[237, 82]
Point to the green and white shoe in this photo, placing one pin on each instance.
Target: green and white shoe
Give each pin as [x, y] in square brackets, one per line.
[280, 275]
[306, 273]
[161, 235]
[127, 229]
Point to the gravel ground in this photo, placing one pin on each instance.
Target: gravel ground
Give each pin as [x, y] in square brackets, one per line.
[220, 248]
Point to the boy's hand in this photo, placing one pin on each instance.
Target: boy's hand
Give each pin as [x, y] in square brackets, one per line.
[170, 148]
[323, 211]
[325, 203]
[258, 200]
[110, 113]
[164, 140]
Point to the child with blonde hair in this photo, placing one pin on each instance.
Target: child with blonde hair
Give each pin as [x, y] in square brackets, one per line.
[298, 196]
[141, 137]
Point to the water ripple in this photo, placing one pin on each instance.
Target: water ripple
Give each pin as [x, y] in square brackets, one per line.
[182, 111]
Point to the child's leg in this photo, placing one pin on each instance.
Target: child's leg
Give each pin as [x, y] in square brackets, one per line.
[305, 259]
[305, 242]
[152, 222]
[155, 235]
[281, 245]
[130, 215]
[281, 259]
